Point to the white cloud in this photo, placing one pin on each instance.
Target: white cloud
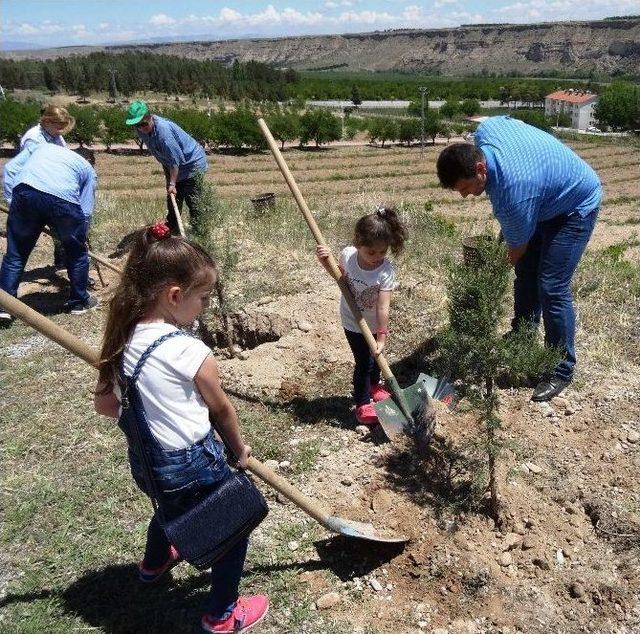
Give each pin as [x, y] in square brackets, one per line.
[331, 5]
[161, 19]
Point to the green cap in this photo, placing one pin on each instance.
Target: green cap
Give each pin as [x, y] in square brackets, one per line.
[136, 112]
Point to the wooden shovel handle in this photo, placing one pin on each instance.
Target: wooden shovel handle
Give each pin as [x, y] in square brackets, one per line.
[176, 212]
[288, 490]
[334, 270]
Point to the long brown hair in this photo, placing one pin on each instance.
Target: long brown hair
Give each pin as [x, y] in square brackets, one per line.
[384, 226]
[152, 265]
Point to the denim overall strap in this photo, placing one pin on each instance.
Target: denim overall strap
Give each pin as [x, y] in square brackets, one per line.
[139, 431]
[147, 353]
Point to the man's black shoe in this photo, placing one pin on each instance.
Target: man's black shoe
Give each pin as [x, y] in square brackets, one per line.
[546, 390]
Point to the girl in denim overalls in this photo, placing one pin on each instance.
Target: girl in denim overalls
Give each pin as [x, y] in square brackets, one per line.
[166, 285]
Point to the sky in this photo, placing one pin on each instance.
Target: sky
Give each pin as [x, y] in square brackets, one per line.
[49, 23]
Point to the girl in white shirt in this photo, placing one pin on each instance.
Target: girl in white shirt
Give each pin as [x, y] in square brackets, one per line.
[371, 278]
[166, 285]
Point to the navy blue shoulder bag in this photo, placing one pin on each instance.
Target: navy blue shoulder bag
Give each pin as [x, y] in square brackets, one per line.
[206, 532]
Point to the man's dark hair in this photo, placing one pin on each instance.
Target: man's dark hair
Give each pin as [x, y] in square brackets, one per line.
[457, 161]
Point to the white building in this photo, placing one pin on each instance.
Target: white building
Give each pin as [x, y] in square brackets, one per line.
[578, 104]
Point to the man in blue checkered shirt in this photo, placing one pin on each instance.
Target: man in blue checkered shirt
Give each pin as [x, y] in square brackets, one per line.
[546, 199]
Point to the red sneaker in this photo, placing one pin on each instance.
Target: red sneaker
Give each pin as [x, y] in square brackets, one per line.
[248, 612]
[149, 575]
[366, 415]
[379, 393]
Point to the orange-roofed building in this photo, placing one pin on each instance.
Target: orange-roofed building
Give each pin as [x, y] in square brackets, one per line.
[578, 104]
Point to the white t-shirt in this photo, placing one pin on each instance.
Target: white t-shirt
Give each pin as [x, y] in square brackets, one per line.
[177, 415]
[365, 286]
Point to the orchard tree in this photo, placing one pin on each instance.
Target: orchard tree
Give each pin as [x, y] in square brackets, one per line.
[284, 124]
[409, 130]
[382, 129]
[87, 127]
[470, 107]
[356, 99]
[114, 128]
[432, 124]
[319, 125]
[16, 118]
[619, 107]
[449, 109]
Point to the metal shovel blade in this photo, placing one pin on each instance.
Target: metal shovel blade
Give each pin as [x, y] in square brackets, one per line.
[417, 397]
[362, 530]
[391, 418]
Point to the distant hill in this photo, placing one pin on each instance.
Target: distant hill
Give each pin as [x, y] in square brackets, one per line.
[607, 47]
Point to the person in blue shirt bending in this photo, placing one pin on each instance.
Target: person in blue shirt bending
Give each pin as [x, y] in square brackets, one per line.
[182, 158]
[546, 199]
[47, 184]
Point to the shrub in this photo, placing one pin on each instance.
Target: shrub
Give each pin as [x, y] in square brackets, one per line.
[319, 125]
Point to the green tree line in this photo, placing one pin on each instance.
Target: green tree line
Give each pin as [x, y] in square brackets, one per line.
[388, 86]
[131, 72]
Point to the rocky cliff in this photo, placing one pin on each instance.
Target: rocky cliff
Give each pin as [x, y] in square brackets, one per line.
[605, 47]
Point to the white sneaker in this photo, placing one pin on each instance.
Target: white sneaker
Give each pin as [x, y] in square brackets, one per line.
[5, 319]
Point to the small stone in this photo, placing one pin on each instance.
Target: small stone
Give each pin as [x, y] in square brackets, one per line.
[293, 546]
[328, 600]
[533, 467]
[511, 541]
[244, 355]
[375, 584]
[505, 559]
[305, 326]
[546, 410]
[285, 465]
[236, 349]
[560, 557]
[528, 543]
[272, 464]
[265, 300]
[519, 529]
[576, 590]
[633, 437]
[524, 468]
[362, 430]
[324, 453]
[281, 499]
[346, 481]
[561, 402]
[541, 562]
[440, 630]
[381, 501]
[423, 624]
[569, 411]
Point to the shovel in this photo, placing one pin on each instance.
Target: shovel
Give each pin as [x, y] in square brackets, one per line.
[409, 410]
[76, 346]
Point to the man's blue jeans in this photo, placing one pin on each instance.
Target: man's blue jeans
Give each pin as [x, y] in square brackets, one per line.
[543, 282]
[30, 211]
[184, 477]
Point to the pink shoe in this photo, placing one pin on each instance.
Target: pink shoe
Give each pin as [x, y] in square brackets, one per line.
[248, 612]
[366, 415]
[379, 393]
[148, 575]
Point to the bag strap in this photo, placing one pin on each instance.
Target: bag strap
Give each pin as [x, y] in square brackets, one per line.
[154, 493]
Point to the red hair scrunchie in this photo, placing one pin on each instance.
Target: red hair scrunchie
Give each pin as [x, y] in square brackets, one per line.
[160, 231]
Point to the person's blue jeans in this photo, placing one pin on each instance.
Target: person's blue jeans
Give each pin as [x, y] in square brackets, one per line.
[30, 211]
[366, 371]
[184, 477]
[543, 283]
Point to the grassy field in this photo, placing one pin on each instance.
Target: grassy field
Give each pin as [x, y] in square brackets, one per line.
[72, 521]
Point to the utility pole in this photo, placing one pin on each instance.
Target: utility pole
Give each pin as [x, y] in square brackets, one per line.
[113, 87]
[423, 92]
